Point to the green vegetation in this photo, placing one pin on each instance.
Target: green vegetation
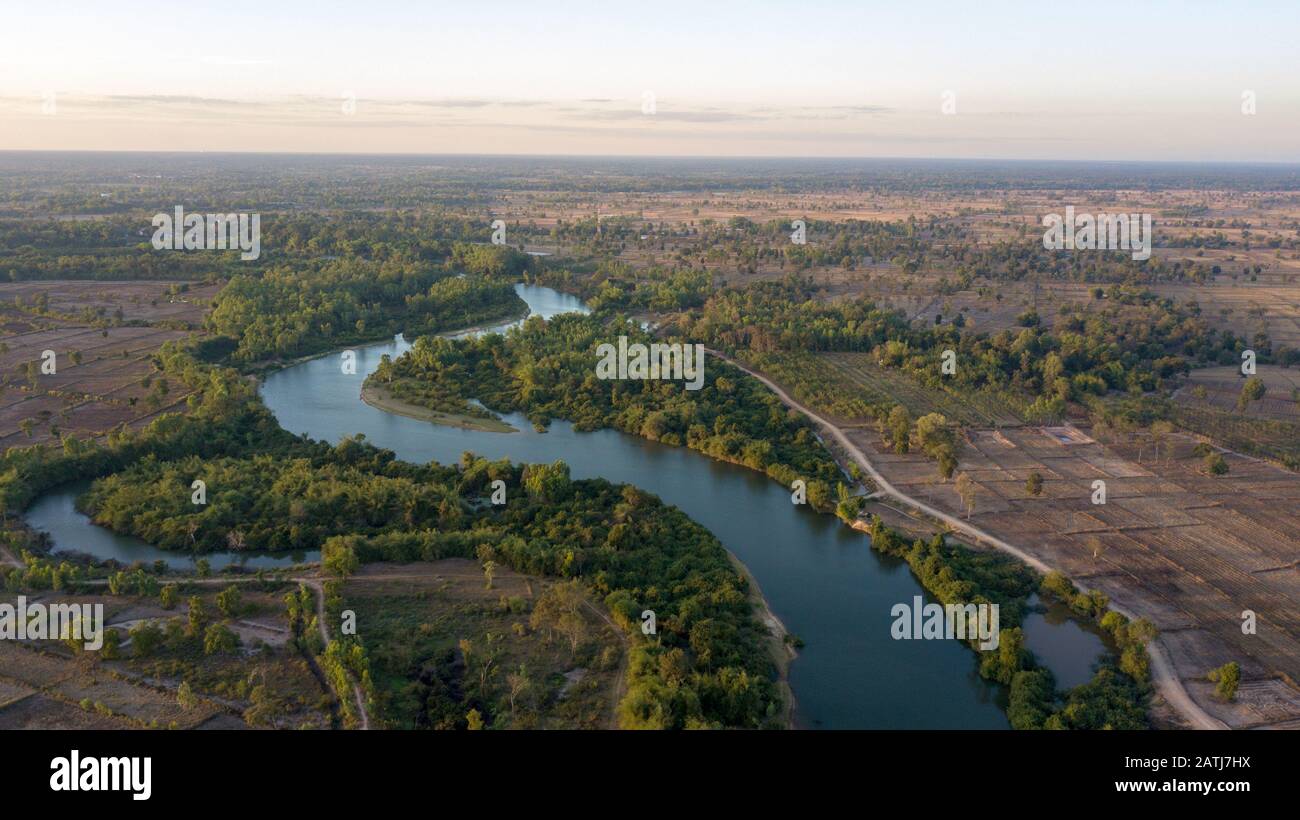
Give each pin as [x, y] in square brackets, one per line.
[442, 651]
[1114, 699]
[357, 501]
[547, 370]
[293, 312]
[1087, 352]
[1226, 679]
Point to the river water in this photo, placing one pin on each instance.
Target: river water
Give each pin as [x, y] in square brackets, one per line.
[820, 578]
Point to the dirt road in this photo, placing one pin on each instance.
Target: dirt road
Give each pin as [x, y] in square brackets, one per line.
[1170, 687]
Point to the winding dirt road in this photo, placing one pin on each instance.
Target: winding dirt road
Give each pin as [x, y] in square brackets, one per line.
[1170, 687]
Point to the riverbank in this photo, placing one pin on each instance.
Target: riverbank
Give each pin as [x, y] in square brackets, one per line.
[381, 399]
[1168, 684]
[259, 369]
[779, 646]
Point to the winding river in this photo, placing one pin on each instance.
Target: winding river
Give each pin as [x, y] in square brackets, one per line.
[819, 577]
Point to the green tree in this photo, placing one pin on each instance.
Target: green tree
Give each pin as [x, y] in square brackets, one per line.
[474, 720]
[185, 696]
[547, 482]
[145, 639]
[1227, 678]
[197, 618]
[1253, 390]
[1034, 485]
[228, 601]
[218, 639]
[900, 428]
[1215, 464]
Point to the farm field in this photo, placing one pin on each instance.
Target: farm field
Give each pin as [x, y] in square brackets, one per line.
[44, 684]
[1188, 551]
[1221, 387]
[103, 372]
[848, 385]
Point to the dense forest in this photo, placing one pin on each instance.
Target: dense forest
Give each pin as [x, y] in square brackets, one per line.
[547, 370]
[292, 312]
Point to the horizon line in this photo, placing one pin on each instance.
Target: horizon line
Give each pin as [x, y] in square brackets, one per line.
[734, 157]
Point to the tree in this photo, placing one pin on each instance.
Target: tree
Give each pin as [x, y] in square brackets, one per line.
[474, 720]
[947, 462]
[145, 638]
[900, 428]
[1034, 485]
[196, 616]
[218, 639]
[967, 488]
[489, 569]
[932, 430]
[339, 557]
[1253, 390]
[1227, 677]
[558, 611]
[1094, 546]
[186, 697]
[228, 601]
[1215, 464]
[167, 596]
[547, 482]
[518, 684]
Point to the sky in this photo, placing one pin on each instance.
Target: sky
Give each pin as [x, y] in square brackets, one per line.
[980, 79]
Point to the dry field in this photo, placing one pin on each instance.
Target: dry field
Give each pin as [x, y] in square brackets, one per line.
[114, 382]
[44, 685]
[1222, 387]
[146, 301]
[1257, 289]
[1186, 550]
[48, 688]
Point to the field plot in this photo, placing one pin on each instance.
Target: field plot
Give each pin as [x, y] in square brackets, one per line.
[1220, 388]
[264, 682]
[1275, 439]
[1187, 550]
[444, 644]
[890, 386]
[848, 385]
[1270, 306]
[142, 301]
[66, 693]
[103, 375]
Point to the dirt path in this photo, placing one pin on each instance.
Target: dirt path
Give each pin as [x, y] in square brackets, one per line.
[316, 585]
[620, 679]
[1162, 672]
[306, 580]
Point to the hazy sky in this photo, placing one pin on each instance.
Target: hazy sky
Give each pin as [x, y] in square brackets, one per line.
[1089, 80]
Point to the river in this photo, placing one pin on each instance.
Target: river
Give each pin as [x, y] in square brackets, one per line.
[819, 577]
